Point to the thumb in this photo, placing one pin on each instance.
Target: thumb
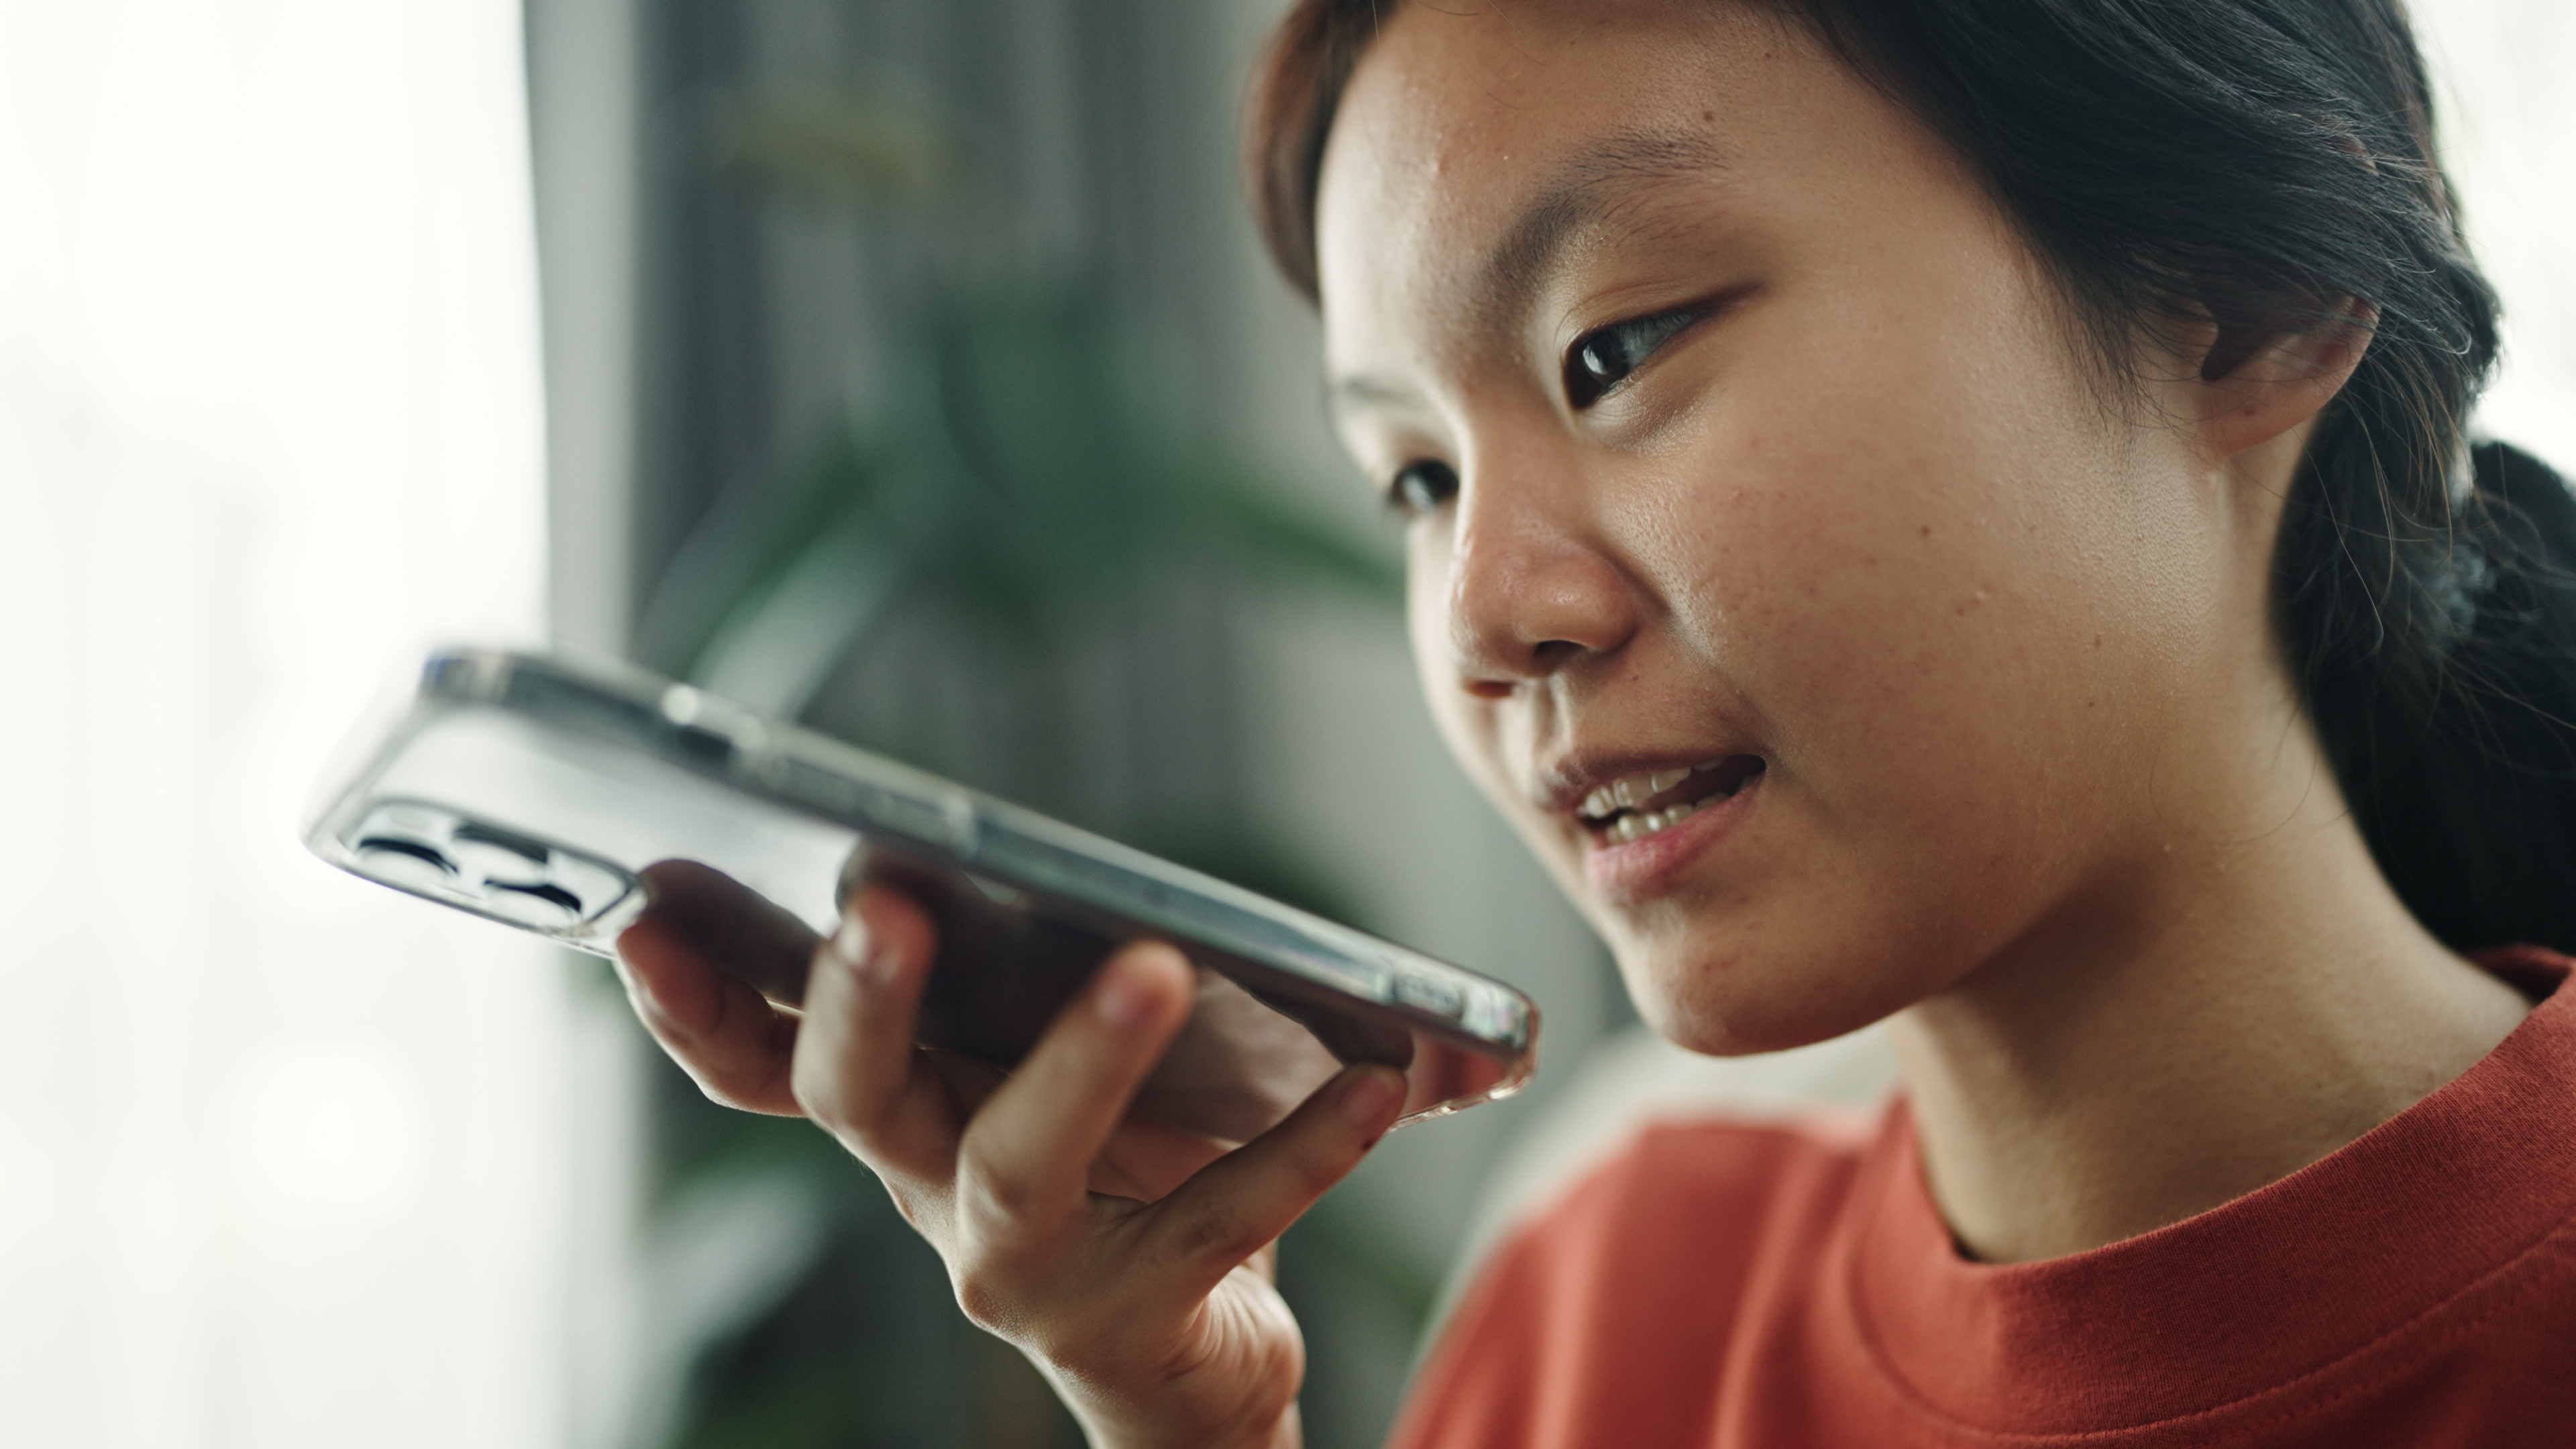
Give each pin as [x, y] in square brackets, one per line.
[1240, 1203]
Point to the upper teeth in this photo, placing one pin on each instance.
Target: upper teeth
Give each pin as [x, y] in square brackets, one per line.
[1630, 791]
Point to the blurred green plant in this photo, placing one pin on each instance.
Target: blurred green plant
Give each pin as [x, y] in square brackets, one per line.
[1014, 481]
[836, 144]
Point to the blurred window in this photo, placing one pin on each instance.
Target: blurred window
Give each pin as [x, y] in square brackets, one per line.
[284, 1159]
[2505, 76]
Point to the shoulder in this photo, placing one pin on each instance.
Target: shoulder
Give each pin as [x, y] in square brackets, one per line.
[1612, 1307]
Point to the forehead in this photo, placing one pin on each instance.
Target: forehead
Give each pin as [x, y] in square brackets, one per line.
[1472, 144]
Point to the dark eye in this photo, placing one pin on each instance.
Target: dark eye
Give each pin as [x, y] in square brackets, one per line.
[1421, 487]
[1600, 361]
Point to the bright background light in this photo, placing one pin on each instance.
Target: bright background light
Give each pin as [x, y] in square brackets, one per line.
[285, 1160]
[2506, 88]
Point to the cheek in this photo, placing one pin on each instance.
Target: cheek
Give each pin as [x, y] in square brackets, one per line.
[1951, 593]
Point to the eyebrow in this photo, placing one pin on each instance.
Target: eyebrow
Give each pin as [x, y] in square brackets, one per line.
[1365, 392]
[1589, 187]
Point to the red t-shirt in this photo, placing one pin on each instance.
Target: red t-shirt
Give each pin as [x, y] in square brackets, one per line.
[1771, 1287]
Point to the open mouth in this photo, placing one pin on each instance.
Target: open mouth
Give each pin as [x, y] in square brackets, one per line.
[1635, 806]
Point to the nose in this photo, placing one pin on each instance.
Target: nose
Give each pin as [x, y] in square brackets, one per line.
[1532, 589]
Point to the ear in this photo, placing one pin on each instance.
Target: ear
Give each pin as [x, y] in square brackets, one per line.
[2259, 383]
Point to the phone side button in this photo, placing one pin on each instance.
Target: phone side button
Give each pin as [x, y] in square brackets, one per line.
[1425, 994]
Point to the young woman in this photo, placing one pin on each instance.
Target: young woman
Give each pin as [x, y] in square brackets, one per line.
[1990, 475]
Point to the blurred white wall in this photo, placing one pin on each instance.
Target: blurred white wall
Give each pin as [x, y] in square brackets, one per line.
[285, 1160]
[2505, 78]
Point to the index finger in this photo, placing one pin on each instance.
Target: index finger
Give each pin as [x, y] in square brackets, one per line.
[732, 926]
[728, 1037]
[856, 1070]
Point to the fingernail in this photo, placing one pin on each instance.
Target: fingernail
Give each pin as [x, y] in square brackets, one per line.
[1122, 1000]
[1367, 1097]
[850, 942]
[873, 965]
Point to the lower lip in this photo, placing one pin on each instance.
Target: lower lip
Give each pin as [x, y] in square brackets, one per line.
[1646, 867]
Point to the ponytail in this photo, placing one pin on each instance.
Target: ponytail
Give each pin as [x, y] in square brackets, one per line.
[2445, 693]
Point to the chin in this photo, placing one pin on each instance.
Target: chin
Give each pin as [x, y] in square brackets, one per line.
[1751, 1000]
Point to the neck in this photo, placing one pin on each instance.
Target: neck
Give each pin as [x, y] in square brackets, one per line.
[2238, 1006]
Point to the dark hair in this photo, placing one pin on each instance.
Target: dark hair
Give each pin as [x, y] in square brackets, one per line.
[2255, 161]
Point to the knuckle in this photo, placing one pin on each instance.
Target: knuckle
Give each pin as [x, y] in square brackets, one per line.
[994, 1292]
[1015, 1280]
[986, 1304]
[1074, 1351]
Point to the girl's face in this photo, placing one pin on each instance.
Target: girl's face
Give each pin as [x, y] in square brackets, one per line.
[1756, 486]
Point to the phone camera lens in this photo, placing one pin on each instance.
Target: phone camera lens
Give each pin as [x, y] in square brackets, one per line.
[500, 857]
[407, 863]
[546, 907]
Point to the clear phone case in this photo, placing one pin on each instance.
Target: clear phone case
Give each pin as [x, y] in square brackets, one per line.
[534, 792]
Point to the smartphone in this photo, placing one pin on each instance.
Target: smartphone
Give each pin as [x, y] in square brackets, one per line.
[540, 793]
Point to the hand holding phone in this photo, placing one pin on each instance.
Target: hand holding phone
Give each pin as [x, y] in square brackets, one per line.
[1100, 1084]
[551, 797]
[1130, 1259]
